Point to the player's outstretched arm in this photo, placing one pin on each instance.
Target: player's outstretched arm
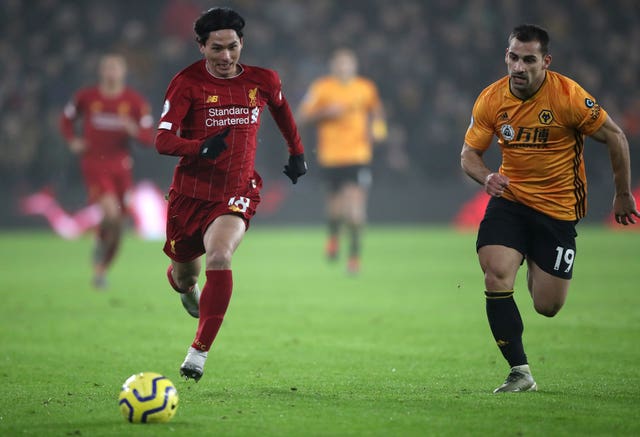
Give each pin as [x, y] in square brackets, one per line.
[624, 204]
[296, 166]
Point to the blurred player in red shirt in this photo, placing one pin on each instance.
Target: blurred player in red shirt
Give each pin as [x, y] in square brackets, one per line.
[210, 119]
[111, 115]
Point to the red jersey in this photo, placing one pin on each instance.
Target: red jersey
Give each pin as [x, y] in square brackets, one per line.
[103, 123]
[198, 105]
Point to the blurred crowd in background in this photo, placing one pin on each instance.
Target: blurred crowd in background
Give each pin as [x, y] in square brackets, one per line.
[430, 59]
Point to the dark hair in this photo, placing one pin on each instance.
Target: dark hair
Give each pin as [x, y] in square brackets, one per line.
[531, 32]
[216, 19]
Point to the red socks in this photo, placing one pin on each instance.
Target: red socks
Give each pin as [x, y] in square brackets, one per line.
[214, 301]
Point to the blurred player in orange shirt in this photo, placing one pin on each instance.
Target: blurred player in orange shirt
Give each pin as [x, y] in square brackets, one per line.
[112, 115]
[539, 193]
[349, 115]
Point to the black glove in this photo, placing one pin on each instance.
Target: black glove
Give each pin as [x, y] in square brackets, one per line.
[213, 146]
[296, 167]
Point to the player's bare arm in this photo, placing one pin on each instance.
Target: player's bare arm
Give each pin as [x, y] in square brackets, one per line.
[473, 164]
[624, 204]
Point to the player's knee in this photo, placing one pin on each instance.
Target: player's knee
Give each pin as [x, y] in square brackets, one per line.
[112, 215]
[494, 280]
[549, 309]
[356, 220]
[219, 259]
[111, 223]
[111, 208]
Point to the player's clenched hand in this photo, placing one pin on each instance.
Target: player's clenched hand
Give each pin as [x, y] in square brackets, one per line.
[495, 183]
[213, 146]
[296, 167]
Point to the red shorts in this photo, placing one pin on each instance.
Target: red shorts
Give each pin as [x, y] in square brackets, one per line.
[107, 177]
[189, 218]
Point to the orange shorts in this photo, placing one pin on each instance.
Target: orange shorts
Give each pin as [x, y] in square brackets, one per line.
[189, 218]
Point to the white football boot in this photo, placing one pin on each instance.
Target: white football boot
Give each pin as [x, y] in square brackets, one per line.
[518, 380]
[193, 364]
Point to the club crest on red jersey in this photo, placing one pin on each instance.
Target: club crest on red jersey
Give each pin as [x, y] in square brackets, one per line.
[253, 96]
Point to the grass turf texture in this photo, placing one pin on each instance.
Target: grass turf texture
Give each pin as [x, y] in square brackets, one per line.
[402, 349]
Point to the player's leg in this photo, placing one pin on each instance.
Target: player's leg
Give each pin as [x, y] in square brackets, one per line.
[183, 278]
[500, 265]
[355, 206]
[221, 240]
[550, 263]
[334, 216]
[109, 235]
[549, 292]
[184, 247]
[502, 243]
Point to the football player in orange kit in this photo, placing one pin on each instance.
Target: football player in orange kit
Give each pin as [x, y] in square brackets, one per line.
[539, 193]
[348, 114]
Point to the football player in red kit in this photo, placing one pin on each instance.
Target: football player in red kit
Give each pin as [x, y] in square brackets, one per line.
[112, 115]
[210, 119]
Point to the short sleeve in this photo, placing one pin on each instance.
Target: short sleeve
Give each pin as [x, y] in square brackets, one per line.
[587, 114]
[374, 96]
[481, 128]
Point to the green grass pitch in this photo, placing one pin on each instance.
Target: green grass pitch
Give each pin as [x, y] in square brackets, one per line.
[403, 349]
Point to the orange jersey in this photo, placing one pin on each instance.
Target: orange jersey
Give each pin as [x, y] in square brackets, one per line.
[542, 142]
[345, 139]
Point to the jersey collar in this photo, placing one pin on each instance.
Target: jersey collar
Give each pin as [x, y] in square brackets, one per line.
[206, 67]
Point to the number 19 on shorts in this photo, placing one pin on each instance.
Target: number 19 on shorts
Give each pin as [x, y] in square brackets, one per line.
[565, 256]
